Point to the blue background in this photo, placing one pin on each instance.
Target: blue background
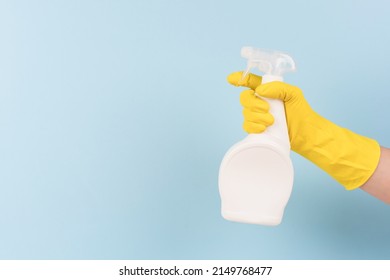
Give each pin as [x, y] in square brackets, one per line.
[115, 115]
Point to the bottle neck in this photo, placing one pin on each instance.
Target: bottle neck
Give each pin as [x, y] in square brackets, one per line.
[271, 78]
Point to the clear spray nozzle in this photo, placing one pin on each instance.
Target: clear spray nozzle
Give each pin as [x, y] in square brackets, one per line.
[272, 63]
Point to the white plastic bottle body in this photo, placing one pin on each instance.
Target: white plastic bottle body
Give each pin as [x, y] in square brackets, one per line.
[256, 174]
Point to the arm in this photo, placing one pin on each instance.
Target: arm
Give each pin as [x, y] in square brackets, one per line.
[379, 183]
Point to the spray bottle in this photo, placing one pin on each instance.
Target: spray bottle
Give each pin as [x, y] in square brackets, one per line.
[256, 174]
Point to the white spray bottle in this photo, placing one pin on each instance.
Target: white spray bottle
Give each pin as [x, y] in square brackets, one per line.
[256, 175]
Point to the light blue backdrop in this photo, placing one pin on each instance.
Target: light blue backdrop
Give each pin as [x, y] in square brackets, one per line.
[115, 115]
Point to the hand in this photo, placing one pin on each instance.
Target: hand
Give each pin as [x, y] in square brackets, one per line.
[348, 157]
[256, 110]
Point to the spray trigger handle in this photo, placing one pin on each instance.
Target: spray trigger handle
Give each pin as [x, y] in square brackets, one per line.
[273, 63]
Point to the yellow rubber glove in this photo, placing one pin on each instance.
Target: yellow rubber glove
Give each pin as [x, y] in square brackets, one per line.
[346, 156]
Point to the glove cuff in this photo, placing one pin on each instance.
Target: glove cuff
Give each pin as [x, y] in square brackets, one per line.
[348, 157]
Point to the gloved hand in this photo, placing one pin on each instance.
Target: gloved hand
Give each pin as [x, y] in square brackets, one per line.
[346, 156]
